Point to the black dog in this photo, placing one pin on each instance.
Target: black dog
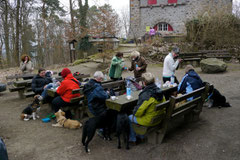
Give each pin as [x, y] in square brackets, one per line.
[123, 127]
[90, 127]
[218, 99]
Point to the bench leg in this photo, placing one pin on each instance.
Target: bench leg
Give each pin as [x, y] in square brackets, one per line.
[152, 138]
[21, 94]
[188, 117]
[156, 137]
[82, 111]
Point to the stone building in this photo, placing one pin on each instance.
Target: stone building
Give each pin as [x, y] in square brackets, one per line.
[167, 16]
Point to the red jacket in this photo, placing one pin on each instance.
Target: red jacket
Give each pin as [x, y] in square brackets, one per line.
[66, 87]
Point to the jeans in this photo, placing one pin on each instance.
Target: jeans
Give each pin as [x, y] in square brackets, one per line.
[132, 134]
[44, 93]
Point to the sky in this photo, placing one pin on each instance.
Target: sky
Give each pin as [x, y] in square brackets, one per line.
[116, 4]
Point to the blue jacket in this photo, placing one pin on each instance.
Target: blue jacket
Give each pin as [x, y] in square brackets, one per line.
[3, 150]
[96, 97]
[190, 82]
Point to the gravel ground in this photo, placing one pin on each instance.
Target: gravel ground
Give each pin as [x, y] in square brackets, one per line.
[214, 136]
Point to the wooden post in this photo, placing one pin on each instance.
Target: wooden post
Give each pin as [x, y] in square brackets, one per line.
[70, 55]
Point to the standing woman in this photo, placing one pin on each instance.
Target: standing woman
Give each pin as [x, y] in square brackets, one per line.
[139, 65]
[26, 64]
[117, 66]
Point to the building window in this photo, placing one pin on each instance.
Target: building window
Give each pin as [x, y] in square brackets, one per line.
[172, 1]
[163, 27]
[152, 2]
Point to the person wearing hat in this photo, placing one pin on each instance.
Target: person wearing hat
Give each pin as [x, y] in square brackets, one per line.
[65, 91]
[169, 65]
[138, 65]
[190, 81]
[26, 64]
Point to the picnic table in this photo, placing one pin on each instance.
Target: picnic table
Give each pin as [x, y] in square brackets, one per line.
[106, 84]
[122, 103]
[24, 86]
[24, 76]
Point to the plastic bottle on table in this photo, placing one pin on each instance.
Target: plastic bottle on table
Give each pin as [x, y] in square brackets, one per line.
[128, 90]
[105, 77]
[54, 81]
[172, 79]
[158, 83]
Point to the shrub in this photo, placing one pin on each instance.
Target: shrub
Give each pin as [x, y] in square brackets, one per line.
[214, 30]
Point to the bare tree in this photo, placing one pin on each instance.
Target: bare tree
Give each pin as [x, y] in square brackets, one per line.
[125, 19]
[5, 20]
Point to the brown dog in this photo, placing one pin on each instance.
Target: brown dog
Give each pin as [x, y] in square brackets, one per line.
[62, 121]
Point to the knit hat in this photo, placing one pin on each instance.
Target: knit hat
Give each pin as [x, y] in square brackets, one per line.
[188, 68]
[65, 72]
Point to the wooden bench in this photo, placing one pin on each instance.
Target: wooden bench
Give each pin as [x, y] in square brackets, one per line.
[194, 58]
[82, 108]
[190, 110]
[220, 54]
[23, 88]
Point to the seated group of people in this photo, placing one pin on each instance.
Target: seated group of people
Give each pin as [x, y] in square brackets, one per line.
[143, 112]
[43, 81]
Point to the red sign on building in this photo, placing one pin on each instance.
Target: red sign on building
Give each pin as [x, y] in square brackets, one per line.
[152, 1]
[172, 1]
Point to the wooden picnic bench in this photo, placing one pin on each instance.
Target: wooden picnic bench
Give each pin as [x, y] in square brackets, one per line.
[220, 54]
[189, 110]
[123, 104]
[194, 58]
[79, 104]
[24, 86]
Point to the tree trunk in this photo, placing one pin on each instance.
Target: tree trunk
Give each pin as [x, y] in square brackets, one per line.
[45, 48]
[83, 16]
[72, 19]
[6, 33]
[16, 55]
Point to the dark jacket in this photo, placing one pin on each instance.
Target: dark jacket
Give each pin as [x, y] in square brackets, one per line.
[96, 97]
[190, 82]
[3, 150]
[39, 82]
[140, 61]
[149, 91]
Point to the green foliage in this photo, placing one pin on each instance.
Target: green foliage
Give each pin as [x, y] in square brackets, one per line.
[79, 61]
[84, 44]
[51, 7]
[217, 31]
[83, 9]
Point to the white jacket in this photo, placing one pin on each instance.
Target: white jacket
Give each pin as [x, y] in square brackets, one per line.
[169, 66]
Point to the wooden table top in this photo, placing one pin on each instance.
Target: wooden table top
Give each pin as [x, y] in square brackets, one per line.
[52, 92]
[22, 83]
[121, 102]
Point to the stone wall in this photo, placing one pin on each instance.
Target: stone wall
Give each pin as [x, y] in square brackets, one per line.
[142, 14]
